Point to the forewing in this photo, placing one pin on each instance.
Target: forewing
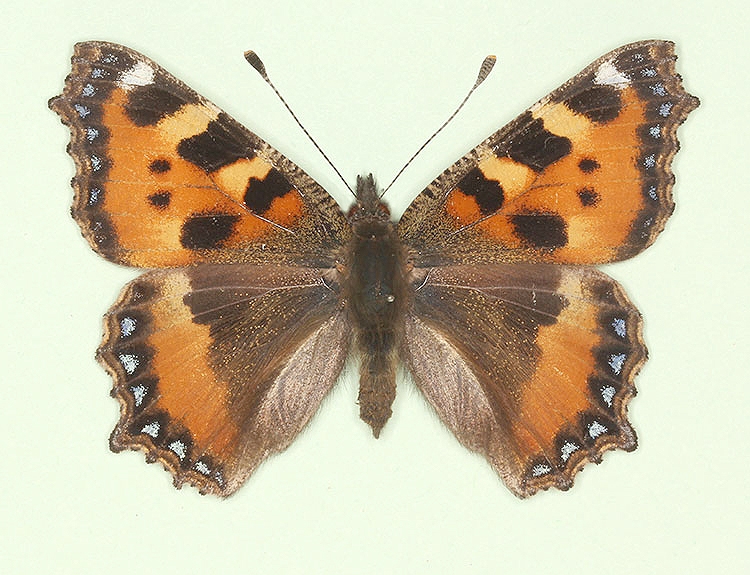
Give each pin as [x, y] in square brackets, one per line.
[531, 365]
[584, 176]
[217, 367]
[165, 178]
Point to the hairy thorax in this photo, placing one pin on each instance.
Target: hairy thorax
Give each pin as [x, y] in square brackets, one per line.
[377, 294]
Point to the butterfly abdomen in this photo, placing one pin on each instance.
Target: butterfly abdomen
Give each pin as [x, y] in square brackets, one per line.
[377, 294]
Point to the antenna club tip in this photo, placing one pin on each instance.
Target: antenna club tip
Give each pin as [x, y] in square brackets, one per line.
[254, 60]
[485, 69]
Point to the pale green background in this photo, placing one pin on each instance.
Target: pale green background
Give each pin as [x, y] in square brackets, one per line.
[371, 81]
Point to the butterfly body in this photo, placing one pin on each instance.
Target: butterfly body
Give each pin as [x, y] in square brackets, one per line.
[377, 295]
[260, 285]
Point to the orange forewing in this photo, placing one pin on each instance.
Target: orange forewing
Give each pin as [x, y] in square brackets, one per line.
[130, 184]
[594, 231]
[582, 177]
[164, 178]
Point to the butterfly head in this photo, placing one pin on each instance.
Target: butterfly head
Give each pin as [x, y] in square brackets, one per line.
[368, 205]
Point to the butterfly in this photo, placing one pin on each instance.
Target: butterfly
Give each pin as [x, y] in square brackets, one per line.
[261, 286]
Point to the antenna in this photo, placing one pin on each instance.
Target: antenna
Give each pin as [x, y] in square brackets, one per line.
[253, 59]
[484, 71]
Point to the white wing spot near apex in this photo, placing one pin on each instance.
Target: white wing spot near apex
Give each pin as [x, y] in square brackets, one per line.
[607, 74]
[141, 74]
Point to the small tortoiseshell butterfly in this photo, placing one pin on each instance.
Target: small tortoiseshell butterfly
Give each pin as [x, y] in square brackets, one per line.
[484, 289]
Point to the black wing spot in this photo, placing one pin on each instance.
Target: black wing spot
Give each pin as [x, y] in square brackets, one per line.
[600, 104]
[207, 231]
[588, 165]
[487, 193]
[161, 199]
[588, 197]
[541, 230]
[159, 166]
[260, 193]
[535, 146]
[147, 105]
[219, 145]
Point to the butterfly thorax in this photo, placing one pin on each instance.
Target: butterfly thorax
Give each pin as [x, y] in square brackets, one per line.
[377, 293]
